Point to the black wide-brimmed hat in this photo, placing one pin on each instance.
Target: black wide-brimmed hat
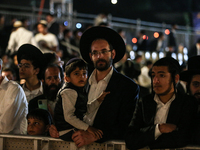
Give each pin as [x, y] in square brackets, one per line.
[192, 69]
[33, 52]
[99, 32]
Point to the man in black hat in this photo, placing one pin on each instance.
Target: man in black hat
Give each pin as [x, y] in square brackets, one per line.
[31, 65]
[165, 118]
[102, 46]
[192, 77]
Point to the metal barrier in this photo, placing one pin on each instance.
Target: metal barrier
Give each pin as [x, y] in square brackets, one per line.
[26, 142]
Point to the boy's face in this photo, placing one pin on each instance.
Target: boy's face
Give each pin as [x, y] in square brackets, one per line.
[77, 77]
[26, 69]
[36, 127]
[162, 82]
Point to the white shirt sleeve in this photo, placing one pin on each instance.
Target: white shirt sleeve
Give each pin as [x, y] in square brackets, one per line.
[11, 43]
[157, 132]
[91, 107]
[13, 118]
[69, 98]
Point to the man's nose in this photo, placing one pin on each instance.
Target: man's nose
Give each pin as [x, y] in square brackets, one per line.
[155, 80]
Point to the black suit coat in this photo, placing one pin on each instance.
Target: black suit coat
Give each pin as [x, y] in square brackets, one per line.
[116, 110]
[141, 132]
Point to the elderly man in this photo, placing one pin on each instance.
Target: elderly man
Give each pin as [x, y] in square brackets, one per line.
[14, 107]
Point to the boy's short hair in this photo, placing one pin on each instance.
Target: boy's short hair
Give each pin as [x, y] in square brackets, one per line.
[41, 114]
[73, 63]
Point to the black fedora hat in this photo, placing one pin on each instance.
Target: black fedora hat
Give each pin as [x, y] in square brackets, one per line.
[193, 68]
[105, 33]
[33, 52]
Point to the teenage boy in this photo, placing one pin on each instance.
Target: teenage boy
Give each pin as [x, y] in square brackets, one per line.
[31, 65]
[165, 118]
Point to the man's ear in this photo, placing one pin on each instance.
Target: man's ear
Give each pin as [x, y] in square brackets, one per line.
[113, 53]
[37, 70]
[90, 56]
[67, 79]
[177, 77]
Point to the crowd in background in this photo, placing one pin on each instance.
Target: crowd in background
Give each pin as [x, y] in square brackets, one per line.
[56, 45]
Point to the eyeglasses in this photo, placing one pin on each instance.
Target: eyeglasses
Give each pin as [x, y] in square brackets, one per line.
[96, 53]
[24, 65]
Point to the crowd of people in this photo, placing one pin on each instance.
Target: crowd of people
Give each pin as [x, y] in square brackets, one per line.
[92, 91]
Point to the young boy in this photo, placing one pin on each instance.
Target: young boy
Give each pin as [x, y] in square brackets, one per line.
[39, 121]
[72, 101]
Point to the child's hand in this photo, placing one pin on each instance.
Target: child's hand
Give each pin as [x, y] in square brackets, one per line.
[102, 96]
[95, 132]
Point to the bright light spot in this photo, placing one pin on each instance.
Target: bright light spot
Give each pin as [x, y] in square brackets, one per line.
[66, 23]
[186, 57]
[114, 1]
[180, 62]
[185, 50]
[154, 55]
[144, 37]
[161, 55]
[78, 25]
[174, 55]
[180, 57]
[134, 40]
[147, 55]
[167, 32]
[132, 55]
[156, 34]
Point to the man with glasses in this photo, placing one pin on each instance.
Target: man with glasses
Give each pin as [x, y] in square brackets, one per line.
[31, 65]
[101, 47]
[13, 106]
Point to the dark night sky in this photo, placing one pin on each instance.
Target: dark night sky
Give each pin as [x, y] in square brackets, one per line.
[166, 11]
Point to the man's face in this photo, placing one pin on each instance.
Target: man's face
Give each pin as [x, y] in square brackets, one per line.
[195, 86]
[27, 70]
[52, 82]
[101, 55]
[162, 82]
[41, 28]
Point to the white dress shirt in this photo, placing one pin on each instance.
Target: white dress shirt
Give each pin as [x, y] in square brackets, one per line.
[32, 94]
[13, 108]
[95, 91]
[161, 113]
[19, 37]
[49, 38]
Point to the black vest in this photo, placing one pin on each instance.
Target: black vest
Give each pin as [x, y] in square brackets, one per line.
[80, 106]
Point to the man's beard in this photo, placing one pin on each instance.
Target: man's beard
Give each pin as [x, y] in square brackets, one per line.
[197, 96]
[51, 93]
[103, 67]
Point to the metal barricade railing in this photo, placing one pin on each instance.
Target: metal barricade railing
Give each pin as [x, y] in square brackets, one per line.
[26, 142]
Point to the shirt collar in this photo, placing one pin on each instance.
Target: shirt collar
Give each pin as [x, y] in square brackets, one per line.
[158, 101]
[4, 83]
[92, 78]
[40, 89]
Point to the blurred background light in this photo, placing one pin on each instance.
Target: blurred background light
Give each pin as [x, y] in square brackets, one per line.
[78, 25]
